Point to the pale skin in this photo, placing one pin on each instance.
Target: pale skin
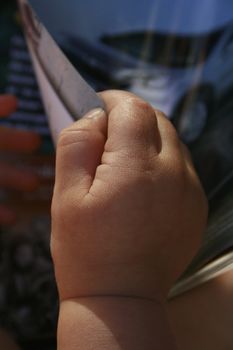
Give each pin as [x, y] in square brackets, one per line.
[128, 214]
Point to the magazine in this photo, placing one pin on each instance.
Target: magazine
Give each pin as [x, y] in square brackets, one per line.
[202, 114]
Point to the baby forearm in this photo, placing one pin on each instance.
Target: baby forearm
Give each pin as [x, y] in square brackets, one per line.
[116, 323]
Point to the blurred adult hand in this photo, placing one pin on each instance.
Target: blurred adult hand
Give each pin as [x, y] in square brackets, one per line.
[18, 142]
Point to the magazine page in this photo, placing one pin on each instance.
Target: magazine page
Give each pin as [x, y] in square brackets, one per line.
[66, 94]
[58, 116]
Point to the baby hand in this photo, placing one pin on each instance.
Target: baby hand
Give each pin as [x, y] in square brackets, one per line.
[128, 209]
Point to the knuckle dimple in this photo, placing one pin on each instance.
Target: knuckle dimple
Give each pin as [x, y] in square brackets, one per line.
[138, 104]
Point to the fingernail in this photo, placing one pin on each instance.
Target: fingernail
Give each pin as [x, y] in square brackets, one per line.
[95, 113]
